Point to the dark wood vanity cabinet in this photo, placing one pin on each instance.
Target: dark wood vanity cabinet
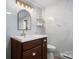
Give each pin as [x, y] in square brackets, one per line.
[34, 49]
[44, 48]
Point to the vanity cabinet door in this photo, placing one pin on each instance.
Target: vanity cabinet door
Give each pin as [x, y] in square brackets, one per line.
[44, 49]
[15, 49]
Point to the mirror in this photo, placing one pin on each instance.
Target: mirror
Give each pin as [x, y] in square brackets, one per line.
[23, 20]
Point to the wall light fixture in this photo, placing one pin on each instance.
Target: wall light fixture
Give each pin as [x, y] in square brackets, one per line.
[24, 5]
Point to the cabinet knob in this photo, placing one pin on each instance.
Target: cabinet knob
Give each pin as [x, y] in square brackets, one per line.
[34, 54]
[45, 40]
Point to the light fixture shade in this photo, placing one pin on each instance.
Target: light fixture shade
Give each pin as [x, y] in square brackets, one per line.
[24, 5]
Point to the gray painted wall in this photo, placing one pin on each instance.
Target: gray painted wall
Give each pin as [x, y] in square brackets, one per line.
[60, 28]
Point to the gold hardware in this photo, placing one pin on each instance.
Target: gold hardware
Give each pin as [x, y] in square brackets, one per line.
[34, 54]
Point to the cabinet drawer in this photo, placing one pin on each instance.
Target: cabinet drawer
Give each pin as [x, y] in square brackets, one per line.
[31, 44]
[32, 53]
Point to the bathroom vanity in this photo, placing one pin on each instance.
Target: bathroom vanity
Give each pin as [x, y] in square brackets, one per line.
[29, 47]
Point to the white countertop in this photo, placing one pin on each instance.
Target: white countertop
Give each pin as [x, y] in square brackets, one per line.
[27, 37]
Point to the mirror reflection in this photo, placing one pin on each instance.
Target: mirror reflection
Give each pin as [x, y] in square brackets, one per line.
[23, 20]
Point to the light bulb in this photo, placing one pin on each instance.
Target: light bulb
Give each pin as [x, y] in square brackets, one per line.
[18, 3]
[22, 5]
[26, 7]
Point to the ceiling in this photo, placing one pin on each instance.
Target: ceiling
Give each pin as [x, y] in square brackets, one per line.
[42, 3]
